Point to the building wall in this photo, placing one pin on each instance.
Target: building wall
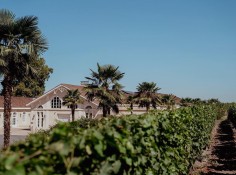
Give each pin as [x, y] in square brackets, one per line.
[44, 116]
[124, 109]
[20, 118]
[39, 114]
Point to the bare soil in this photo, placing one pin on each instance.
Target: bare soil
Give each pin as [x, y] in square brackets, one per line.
[220, 157]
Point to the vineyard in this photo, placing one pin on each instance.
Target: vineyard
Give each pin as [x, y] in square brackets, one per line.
[160, 142]
[232, 115]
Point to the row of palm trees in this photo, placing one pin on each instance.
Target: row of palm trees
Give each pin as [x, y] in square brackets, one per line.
[21, 42]
[196, 101]
[105, 88]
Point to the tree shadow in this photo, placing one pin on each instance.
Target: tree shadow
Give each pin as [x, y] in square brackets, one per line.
[214, 173]
[224, 150]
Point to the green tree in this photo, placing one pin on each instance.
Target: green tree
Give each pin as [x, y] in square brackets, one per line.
[72, 99]
[105, 88]
[34, 86]
[147, 95]
[21, 42]
[168, 100]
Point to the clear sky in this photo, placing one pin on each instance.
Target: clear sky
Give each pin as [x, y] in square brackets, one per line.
[187, 47]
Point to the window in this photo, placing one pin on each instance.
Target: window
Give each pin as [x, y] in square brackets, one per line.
[89, 112]
[56, 102]
[13, 121]
[23, 117]
[40, 119]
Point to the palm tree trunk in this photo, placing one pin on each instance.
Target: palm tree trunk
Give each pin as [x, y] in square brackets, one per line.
[7, 93]
[147, 107]
[131, 107]
[104, 111]
[73, 113]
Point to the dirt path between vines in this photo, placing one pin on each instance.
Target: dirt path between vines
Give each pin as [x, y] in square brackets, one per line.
[220, 157]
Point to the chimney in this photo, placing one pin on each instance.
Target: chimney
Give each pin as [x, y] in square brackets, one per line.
[84, 83]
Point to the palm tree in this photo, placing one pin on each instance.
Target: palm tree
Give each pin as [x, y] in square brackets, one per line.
[147, 95]
[213, 101]
[186, 101]
[21, 42]
[130, 100]
[105, 88]
[72, 99]
[169, 100]
[197, 101]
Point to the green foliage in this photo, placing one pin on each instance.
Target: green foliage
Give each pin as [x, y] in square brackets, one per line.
[168, 100]
[72, 99]
[106, 88]
[34, 86]
[232, 114]
[160, 142]
[147, 95]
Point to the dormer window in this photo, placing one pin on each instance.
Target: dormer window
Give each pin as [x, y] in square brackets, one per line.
[89, 112]
[56, 102]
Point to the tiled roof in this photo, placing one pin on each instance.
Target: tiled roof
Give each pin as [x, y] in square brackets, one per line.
[17, 102]
[74, 87]
[81, 90]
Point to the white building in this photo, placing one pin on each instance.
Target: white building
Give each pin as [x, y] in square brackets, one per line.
[47, 110]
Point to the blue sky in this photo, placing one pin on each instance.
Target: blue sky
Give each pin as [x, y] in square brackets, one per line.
[187, 47]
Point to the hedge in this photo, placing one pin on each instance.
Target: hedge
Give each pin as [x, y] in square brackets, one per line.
[160, 142]
[232, 114]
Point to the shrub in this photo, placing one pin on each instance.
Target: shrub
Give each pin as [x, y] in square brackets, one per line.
[232, 114]
[160, 142]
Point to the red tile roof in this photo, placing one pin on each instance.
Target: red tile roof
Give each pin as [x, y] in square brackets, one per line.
[81, 90]
[74, 87]
[17, 102]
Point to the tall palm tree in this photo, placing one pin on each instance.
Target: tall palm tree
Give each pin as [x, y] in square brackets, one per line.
[21, 42]
[168, 100]
[105, 88]
[72, 99]
[147, 95]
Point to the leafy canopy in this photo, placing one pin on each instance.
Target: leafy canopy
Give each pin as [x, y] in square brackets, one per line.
[21, 42]
[147, 95]
[34, 86]
[105, 87]
[72, 98]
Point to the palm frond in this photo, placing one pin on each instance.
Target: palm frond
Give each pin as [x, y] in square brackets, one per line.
[2, 62]
[6, 16]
